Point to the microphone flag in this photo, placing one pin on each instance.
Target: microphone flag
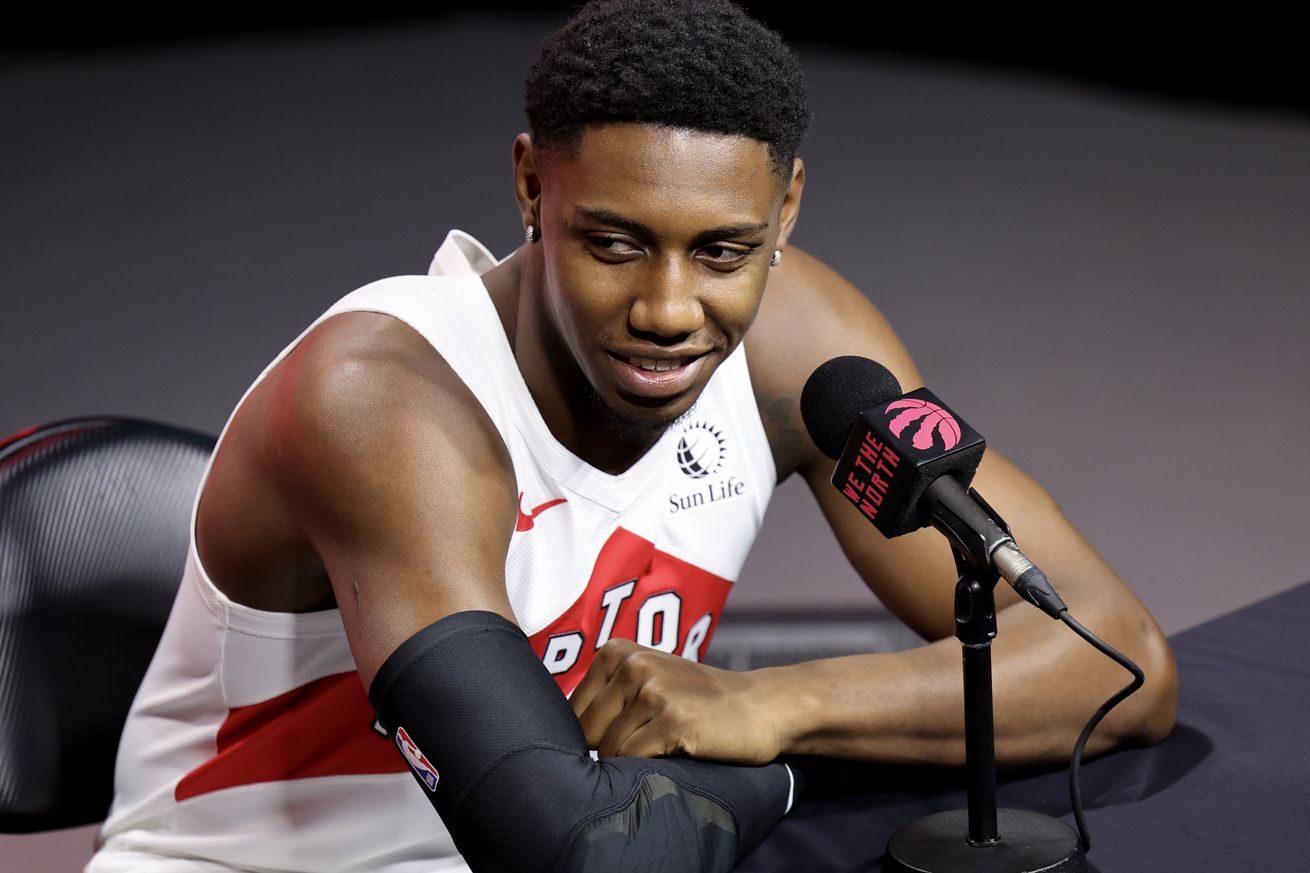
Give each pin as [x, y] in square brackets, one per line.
[894, 452]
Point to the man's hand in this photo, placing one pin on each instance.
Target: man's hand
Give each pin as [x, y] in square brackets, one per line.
[636, 701]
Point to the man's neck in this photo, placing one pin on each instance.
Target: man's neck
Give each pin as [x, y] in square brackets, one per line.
[574, 414]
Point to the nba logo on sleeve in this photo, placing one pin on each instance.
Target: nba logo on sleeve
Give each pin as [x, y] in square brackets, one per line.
[422, 766]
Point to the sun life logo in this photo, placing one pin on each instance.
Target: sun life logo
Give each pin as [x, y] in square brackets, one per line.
[700, 450]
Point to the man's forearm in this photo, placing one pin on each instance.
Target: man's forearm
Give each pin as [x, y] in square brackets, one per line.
[908, 706]
[901, 707]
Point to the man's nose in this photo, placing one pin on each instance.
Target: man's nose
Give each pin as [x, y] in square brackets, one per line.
[668, 301]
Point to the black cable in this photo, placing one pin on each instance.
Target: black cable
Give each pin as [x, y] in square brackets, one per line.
[1139, 678]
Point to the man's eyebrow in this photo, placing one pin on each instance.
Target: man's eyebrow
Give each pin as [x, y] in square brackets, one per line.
[615, 219]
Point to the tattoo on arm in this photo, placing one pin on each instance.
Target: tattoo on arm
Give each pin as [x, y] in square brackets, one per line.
[786, 435]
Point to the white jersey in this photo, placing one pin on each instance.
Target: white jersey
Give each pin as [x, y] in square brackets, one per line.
[250, 744]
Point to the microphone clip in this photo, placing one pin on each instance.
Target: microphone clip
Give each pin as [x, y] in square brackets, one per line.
[970, 525]
[975, 604]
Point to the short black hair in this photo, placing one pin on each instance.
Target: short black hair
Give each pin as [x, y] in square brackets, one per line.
[698, 64]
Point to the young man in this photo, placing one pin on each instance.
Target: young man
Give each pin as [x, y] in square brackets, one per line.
[452, 488]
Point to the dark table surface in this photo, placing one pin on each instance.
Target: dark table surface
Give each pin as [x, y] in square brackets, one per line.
[1228, 790]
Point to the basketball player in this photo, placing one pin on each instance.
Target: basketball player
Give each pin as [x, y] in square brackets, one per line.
[454, 496]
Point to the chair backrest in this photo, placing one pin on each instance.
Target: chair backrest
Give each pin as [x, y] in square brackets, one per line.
[94, 516]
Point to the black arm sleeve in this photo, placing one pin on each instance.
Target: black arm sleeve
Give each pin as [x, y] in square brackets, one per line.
[500, 754]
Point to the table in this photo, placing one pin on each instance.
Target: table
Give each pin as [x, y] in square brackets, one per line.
[1228, 790]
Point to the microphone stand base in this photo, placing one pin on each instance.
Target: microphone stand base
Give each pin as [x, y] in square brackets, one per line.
[1030, 842]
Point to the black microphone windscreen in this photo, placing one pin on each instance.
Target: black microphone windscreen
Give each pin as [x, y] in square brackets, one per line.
[838, 391]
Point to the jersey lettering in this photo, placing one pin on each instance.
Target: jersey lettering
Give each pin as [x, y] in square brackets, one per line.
[699, 632]
[562, 652]
[636, 592]
[657, 621]
[612, 600]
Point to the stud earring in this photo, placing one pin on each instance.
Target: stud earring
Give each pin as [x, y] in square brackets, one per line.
[777, 258]
[530, 235]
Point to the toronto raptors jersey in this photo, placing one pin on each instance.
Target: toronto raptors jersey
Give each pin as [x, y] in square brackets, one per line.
[250, 744]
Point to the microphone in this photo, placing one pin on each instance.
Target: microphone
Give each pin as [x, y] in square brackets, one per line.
[905, 460]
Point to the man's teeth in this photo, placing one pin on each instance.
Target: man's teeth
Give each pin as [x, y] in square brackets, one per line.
[655, 364]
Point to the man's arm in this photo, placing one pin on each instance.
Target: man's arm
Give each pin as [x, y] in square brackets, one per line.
[903, 706]
[403, 488]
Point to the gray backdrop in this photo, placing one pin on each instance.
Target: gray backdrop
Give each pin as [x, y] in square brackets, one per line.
[1111, 288]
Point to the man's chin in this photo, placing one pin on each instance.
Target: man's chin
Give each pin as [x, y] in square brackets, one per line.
[630, 428]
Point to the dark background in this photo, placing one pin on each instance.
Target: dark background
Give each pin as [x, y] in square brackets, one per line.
[1093, 241]
[1239, 56]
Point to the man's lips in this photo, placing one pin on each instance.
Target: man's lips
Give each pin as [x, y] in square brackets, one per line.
[656, 376]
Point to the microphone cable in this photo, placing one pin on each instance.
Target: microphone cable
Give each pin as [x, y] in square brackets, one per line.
[1139, 679]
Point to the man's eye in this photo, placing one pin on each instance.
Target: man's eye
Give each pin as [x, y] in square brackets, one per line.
[723, 256]
[612, 245]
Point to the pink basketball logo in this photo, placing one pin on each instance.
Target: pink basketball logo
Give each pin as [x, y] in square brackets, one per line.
[932, 420]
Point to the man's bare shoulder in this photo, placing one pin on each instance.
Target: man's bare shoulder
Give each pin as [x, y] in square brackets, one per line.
[811, 313]
[360, 431]
[359, 372]
[364, 399]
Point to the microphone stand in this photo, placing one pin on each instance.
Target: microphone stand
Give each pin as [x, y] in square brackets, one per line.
[981, 839]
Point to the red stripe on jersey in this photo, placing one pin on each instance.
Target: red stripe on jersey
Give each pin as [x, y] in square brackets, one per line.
[671, 605]
[322, 728]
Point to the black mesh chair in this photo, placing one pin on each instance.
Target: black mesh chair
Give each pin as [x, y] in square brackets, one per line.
[94, 516]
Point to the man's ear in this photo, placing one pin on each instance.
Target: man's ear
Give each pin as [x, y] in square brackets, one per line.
[791, 201]
[527, 179]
